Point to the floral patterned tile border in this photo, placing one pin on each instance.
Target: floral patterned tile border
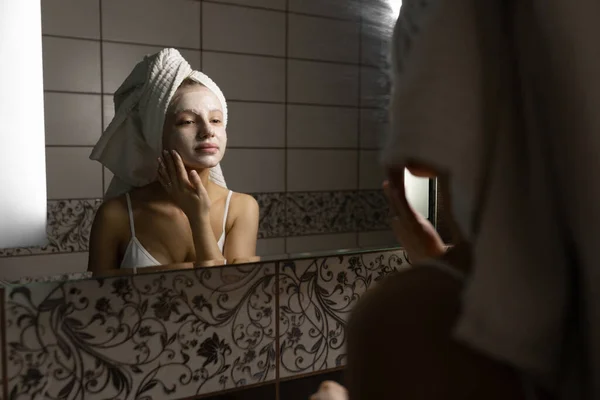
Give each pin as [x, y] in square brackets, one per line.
[69, 224]
[316, 297]
[185, 333]
[282, 214]
[320, 212]
[168, 335]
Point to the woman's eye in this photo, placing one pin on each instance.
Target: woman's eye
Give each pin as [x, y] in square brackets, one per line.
[187, 122]
[216, 121]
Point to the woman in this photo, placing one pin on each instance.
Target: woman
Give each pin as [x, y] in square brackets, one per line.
[497, 99]
[168, 202]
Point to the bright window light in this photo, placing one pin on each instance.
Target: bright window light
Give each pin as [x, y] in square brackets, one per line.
[22, 148]
[395, 7]
[417, 193]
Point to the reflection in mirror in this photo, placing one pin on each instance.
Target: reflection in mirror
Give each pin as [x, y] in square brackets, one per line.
[297, 97]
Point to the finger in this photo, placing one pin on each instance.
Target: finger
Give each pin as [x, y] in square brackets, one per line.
[182, 175]
[165, 183]
[170, 167]
[163, 175]
[196, 181]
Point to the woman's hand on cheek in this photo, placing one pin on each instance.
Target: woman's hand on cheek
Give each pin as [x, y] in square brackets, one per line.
[413, 231]
[186, 189]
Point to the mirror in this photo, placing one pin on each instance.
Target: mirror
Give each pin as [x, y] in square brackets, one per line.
[306, 88]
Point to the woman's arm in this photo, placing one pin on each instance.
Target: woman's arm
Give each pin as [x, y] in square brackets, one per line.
[401, 345]
[104, 238]
[240, 243]
[205, 244]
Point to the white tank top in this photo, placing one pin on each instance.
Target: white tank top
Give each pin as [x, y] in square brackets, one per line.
[137, 256]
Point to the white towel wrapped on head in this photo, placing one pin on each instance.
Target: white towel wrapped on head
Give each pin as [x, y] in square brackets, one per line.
[132, 142]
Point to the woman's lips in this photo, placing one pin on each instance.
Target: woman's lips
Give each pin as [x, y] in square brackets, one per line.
[207, 149]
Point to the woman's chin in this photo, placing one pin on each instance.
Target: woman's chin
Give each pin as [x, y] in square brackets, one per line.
[195, 164]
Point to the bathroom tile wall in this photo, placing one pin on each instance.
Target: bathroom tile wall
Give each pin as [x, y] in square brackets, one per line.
[304, 82]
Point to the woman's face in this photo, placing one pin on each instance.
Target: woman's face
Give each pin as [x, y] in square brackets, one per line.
[194, 127]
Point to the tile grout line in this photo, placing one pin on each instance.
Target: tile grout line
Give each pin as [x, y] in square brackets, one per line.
[243, 101]
[285, 131]
[101, 89]
[202, 49]
[201, 35]
[277, 331]
[359, 115]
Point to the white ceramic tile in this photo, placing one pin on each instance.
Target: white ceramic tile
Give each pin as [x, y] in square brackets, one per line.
[314, 126]
[247, 30]
[173, 23]
[346, 9]
[372, 173]
[305, 244]
[254, 171]
[374, 125]
[13, 268]
[323, 39]
[377, 238]
[312, 170]
[272, 4]
[72, 119]
[322, 83]
[256, 125]
[71, 65]
[374, 88]
[77, 18]
[71, 174]
[246, 77]
[375, 45]
[120, 59]
[270, 247]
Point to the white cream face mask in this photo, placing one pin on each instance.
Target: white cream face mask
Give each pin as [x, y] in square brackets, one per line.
[199, 101]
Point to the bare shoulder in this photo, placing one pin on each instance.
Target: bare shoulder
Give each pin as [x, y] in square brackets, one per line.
[242, 203]
[112, 214]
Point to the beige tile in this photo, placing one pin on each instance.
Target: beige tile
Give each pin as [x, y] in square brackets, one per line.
[307, 244]
[248, 30]
[71, 65]
[372, 173]
[374, 127]
[120, 59]
[77, 18]
[374, 87]
[71, 174]
[314, 126]
[322, 83]
[323, 39]
[249, 78]
[321, 170]
[272, 4]
[173, 23]
[347, 9]
[270, 247]
[254, 171]
[13, 268]
[377, 239]
[256, 125]
[72, 119]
